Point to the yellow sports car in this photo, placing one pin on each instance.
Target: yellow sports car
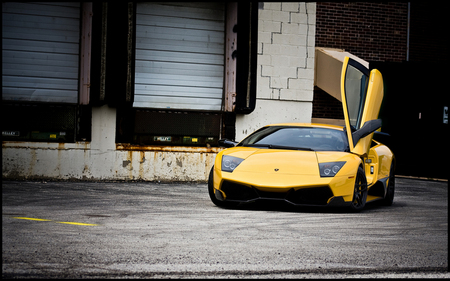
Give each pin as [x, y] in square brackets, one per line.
[313, 164]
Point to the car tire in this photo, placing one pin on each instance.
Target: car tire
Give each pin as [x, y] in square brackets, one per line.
[390, 190]
[360, 191]
[212, 196]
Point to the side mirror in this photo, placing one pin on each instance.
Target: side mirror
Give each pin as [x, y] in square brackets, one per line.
[368, 128]
[382, 134]
[227, 143]
[382, 137]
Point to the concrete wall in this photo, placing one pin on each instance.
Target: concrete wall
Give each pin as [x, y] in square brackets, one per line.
[78, 161]
[103, 159]
[284, 94]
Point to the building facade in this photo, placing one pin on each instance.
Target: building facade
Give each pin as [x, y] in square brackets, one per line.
[143, 91]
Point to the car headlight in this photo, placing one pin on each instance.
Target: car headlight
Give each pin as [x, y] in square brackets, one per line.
[229, 163]
[330, 169]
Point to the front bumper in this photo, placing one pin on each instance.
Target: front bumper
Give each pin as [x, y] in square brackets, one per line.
[312, 196]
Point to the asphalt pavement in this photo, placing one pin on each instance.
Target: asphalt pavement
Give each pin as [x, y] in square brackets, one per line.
[63, 229]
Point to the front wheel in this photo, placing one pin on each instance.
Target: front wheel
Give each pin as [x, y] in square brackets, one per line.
[360, 191]
[216, 201]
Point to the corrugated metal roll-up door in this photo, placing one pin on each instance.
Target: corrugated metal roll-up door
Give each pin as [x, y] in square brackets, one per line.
[40, 51]
[180, 55]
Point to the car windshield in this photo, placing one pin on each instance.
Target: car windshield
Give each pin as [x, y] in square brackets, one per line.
[299, 138]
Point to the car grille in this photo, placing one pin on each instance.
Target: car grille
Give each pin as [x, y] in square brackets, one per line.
[305, 196]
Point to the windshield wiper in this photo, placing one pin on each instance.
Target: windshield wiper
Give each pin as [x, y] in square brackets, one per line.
[289, 147]
[272, 146]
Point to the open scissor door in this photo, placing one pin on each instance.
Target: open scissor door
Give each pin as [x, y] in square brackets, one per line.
[362, 94]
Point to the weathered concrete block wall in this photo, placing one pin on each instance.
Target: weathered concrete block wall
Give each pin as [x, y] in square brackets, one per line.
[286, 41]
[78, 161]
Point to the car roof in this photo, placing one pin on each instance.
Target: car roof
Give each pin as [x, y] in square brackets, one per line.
[312, 125]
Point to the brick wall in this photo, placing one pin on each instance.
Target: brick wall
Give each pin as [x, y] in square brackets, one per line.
[374, 31]
[326, 106]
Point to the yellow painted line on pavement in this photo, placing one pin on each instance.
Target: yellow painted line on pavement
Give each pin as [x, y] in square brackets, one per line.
[64, 222]
[76, 223]
[31, 219]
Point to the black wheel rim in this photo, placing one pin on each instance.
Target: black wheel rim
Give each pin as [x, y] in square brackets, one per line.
[360, 191]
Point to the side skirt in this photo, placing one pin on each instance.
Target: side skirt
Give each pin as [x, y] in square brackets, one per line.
[378, 190]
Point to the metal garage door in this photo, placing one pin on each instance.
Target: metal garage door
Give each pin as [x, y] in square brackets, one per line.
[179, 55]
[40, 47]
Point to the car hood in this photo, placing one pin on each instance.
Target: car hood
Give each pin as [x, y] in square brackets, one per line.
[278, 161]
[281, 162]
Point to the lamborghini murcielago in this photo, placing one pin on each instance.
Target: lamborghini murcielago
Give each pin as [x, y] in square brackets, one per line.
[307, 164]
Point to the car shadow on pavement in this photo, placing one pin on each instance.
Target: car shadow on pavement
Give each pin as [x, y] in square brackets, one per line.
[281, 206]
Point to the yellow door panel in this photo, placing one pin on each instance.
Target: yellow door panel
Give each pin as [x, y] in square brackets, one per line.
[374, 97]
[362, 94]
[372, 106]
